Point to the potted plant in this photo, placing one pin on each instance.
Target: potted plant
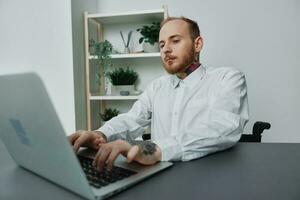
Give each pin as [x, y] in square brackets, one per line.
[122, 80]
[102, 51]
[109, 113]
[150, 36]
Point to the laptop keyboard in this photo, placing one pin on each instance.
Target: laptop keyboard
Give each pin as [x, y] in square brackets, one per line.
[104, 178]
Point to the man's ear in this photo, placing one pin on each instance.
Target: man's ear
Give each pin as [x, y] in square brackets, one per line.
[198, 42]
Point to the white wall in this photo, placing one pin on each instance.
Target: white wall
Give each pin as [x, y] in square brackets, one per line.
[261, 38]
[36, 36]
[78, 8]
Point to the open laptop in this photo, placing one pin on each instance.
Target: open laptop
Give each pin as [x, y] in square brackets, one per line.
[35, 138]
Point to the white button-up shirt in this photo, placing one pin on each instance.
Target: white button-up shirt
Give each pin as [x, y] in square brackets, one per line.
[190, 118]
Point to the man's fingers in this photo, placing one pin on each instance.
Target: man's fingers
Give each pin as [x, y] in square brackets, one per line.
[111, 159]
[96, 158]
[96, 143]
[80, 141]
[98, 154]
[72, 138]
[102, 157]
[132, 153]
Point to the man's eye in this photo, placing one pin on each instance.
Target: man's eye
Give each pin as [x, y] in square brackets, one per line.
[175, 41]
[161, 46]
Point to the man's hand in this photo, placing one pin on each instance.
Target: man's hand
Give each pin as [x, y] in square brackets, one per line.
[91, 139]
[144, 152]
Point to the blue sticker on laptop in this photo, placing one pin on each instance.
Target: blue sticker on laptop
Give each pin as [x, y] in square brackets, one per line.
[21, 133]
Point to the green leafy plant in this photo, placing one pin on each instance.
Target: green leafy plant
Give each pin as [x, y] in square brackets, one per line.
[120, 76]
[102, 51]
[109, 113]
[150, 33]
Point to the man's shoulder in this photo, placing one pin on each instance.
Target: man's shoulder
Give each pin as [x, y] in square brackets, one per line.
[224, 73]
[221, 76]
[223, 70]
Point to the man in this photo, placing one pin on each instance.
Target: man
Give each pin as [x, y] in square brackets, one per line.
[194, 111]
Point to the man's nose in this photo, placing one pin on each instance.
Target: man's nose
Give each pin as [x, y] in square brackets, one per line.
[166, 49]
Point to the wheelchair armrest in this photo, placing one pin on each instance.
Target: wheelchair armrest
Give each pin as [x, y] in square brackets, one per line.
[259, 127]
[146, 136]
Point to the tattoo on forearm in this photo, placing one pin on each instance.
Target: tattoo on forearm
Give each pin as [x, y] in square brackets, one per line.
[147, 147]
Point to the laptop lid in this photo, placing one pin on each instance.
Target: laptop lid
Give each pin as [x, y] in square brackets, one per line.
[34, 136]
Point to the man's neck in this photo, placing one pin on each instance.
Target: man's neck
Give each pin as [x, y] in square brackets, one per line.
[188, 70]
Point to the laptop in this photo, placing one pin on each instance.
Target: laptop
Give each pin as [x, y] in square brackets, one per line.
[36, 140]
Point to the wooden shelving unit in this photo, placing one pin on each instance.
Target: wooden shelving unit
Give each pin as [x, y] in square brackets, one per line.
[101, 20]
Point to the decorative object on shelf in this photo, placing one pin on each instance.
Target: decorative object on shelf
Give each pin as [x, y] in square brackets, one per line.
[123, 90]
[126, 44]
[109, 113]
[150, 35]
[102, 51]
[123, 81]
[149, 48]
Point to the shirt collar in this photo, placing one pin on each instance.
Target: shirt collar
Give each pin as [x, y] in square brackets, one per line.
[192, 68]
[192, 79]
[175, 81]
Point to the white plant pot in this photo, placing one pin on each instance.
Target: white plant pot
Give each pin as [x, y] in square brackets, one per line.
[149, 48]
[126, 50]
[123, 90]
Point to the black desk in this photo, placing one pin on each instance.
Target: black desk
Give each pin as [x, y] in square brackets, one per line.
[247, 171]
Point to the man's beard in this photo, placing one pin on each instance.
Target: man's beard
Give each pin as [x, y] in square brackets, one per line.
[188, 59]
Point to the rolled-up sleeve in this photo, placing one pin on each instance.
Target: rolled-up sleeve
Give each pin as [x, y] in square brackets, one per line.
[171, 148]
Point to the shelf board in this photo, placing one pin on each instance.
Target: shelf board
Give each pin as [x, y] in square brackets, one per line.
[135, 97]
[129, 17]
[131, 55]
